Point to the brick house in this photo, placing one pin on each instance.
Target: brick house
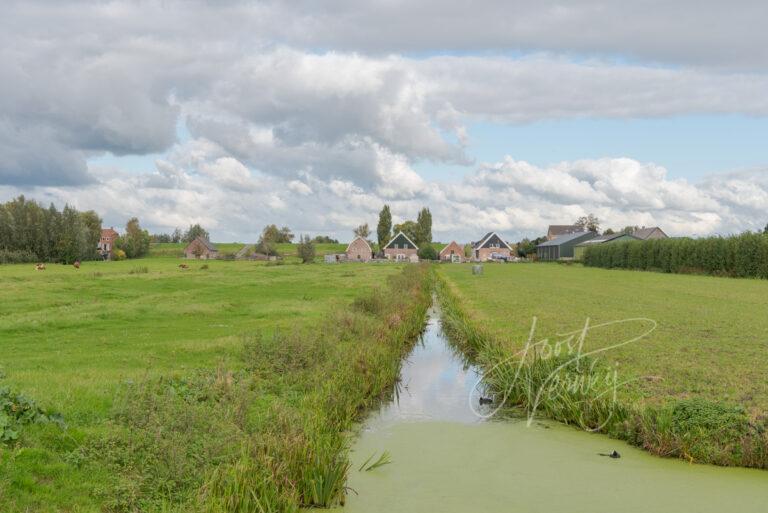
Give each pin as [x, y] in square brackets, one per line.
[453, 252]
[491, 247]
[401, 248]
[201, 249]
[359, 250]
[107, 240]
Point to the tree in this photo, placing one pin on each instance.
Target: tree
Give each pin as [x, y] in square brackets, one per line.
[609, 231]
[384, 228]
[766, 229]
[306, 249]
[630, 229]
[424, 227]
[409, 228]
[135, 242]
[285, 236]
[92, 224]
[588, 223]
[468, 251]
[194, 232]
[362, 231]
[176, 236]
[324, 239]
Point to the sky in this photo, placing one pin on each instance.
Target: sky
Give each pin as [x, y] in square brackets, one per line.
[499, 116]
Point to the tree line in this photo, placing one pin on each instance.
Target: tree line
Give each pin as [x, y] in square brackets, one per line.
[744, 256]
[30, 232]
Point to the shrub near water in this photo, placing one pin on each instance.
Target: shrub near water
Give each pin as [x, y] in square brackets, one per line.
[742, 256]
[270, 437]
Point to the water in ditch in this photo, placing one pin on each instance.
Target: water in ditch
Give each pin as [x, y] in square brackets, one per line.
[445, 459]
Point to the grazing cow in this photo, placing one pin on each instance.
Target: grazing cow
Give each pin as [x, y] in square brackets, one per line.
[40, 267]
[77, 264]
[183, 266]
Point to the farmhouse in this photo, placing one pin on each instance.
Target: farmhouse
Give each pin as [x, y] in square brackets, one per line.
[556, 230]
[453, 252]
[359, 250]
[201, 249]
[650, 233]
[107, 240]
[562, 247]
[491, 247]
[580, 248]
[401, 248]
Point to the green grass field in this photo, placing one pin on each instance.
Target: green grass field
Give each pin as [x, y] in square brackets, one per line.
[712, 334]
[70, 339]
[287, 251]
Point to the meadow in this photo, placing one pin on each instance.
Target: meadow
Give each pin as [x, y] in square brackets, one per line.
[120, 349]
[694, 387]
[712, 333]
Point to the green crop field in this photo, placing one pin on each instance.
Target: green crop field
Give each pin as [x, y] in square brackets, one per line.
[288, 251]
[711, 339]
[72, 339]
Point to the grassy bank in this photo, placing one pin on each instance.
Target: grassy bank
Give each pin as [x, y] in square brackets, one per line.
[182, 390]
[687, 416]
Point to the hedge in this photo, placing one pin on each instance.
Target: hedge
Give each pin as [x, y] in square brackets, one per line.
[742, 256]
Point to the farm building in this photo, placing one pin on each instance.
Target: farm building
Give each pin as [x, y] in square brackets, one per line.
[201, 249]
[453, 252]
[107, 240]
[401, 248]
[650, 233]
[578, 249]
[359, 250]
[556, 230]
[562, 247]
[491, 247]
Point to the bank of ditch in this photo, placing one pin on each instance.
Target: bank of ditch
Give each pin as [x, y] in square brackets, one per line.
[270, 436]
[581, 391]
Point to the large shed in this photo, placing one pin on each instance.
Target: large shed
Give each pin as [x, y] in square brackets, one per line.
[359, 250]
[562, 247]
[579, 249]
[201, 249]
[653, 232]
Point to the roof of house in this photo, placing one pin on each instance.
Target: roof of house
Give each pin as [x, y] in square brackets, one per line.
[562, 229]
[353, 241]
[606, 238]
[453, 242]
[488, 236]
[568, 237]
[644, 233]
[398, 235]
[109, 232]
[204, 242]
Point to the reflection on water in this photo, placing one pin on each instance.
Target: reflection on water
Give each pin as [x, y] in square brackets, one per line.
[445, 459]
[435, 384]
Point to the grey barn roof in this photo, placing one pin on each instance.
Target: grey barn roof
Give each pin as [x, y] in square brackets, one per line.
[644, 233]
[606, 238]
[563, 239]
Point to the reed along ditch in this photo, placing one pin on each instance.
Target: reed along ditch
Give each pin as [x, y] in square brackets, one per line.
[443, 457]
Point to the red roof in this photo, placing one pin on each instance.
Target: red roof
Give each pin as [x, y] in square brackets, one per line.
[109, 232]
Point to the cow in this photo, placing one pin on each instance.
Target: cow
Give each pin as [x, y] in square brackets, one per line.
[183, 266]
[40, 267]
[76, 264]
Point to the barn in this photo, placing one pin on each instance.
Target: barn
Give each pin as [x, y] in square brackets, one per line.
[453, 252]
[580, 248]
[359, 250]
[653, 232]
[201, 249]
[401, 248]
[562, 247]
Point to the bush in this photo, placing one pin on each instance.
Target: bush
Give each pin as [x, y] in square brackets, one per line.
[306, 249]
[427, 252]
[119, 254]
[743, 256]
[21, 256]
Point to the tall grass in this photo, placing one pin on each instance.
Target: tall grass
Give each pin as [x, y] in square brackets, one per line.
[577, 390]
[741, 256]
[272, 436]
